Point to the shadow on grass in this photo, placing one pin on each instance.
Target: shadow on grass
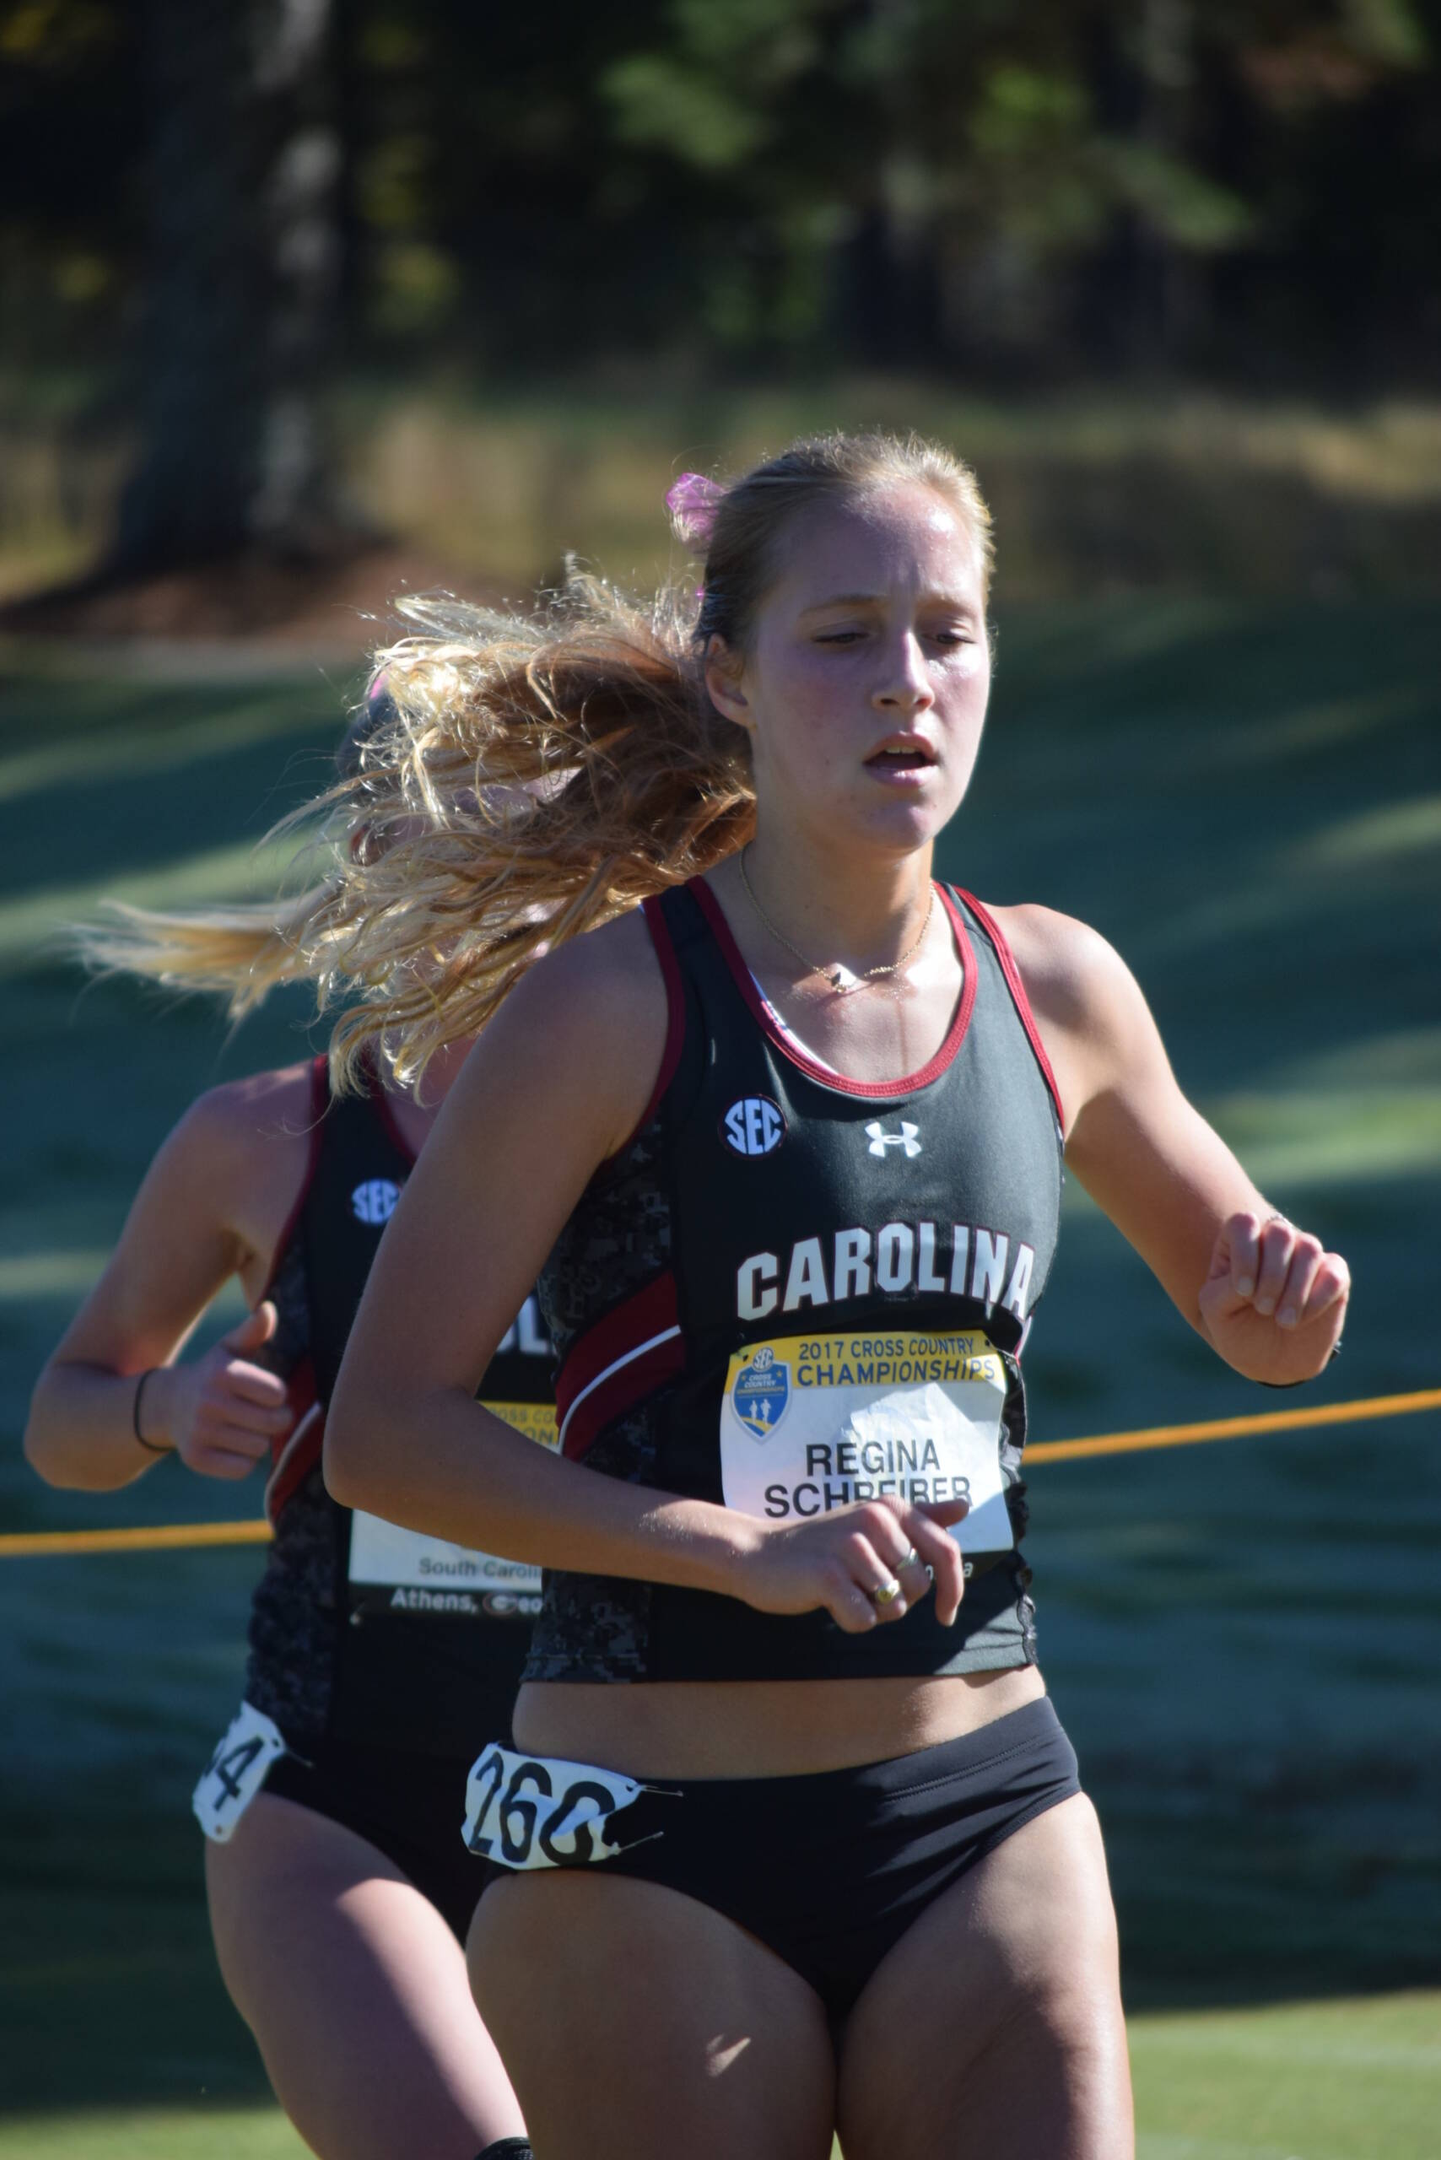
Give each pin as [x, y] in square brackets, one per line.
[99, 796]
[109, 1989]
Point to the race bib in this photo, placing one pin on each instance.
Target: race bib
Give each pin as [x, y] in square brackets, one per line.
[402, 1571]
[236, 1772]
[533, 1811]
[812, 1423]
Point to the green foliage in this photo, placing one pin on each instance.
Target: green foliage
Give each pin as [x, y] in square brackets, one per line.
[662, 104]
[1044, 191]
[1174, 199]
[56, 35]
[1386, 30]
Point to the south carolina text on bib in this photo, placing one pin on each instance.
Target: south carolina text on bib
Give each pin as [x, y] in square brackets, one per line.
[403, 1570]
[810, 1423]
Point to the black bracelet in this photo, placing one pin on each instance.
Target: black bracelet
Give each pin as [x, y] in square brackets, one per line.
[135, 1415]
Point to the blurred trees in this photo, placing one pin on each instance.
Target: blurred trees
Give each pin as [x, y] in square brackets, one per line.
[1230, 189]
[1243, 191]
[240, 302]
[1225, 189]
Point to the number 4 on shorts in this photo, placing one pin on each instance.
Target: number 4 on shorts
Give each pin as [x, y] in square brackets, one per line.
[236, 1772]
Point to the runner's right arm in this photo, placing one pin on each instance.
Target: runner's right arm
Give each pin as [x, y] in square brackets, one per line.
[199, 1217]
[557, 1082]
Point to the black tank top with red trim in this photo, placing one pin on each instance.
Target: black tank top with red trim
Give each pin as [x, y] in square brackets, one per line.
[792, 1290]
[358, 1630]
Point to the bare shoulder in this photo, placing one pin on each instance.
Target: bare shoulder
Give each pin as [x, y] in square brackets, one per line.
[616, 961]
[1088, 1007]
[593, 989]
[242, 1121]
[584, 1030]
[1072, 975]
[240, 1156]
[212, 1204]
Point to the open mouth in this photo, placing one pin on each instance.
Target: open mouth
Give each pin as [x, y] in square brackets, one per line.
[900, 757]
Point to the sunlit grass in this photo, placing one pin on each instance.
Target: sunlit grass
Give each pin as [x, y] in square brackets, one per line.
[1355, 2079]
[256, 2133]
[33, 925]
[139, 748]
[1092, 488]
[1370, 836]
[510, 484]
[49, 1274]
[1325, 1139]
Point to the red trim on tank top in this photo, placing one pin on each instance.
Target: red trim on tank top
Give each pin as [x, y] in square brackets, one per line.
[868, 1090]
[624, 1356]
[298, 1454]
[319, 1104]
[292, 1461]
[665, 953]
[1018, 991]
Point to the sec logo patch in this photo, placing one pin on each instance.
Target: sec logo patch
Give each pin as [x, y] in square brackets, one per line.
[374, 1201]
[762, 1393]
[753, 1126]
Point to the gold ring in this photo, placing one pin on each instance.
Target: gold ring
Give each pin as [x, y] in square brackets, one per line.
[887, 1594]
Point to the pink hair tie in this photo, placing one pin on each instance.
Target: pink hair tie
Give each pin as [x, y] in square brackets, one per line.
[693, 504]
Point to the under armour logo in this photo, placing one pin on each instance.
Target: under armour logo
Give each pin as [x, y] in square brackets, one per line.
[908, 1138]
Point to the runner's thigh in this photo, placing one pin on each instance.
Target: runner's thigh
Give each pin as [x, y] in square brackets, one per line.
[993, 2029]
[638, 2024]
[355, 1990]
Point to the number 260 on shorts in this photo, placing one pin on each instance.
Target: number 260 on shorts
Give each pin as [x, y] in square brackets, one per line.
[534, 1811]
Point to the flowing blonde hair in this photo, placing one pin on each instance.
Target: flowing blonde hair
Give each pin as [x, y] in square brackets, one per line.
[535, 776]
[243, 952]
[544, 774]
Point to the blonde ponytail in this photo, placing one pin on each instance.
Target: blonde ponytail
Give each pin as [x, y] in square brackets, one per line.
[524, 779]
[242, 953]
[541, 775]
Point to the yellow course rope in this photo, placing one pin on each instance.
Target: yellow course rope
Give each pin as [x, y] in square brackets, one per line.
[1232, 1428]
[162, 1538]
[178, 1536]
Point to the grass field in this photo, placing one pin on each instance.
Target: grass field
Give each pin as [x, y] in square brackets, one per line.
[1353, 2079]
[1090, 487]
[1243, 1639]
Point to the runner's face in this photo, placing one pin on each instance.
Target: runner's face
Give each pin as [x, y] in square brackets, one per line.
[864, 689]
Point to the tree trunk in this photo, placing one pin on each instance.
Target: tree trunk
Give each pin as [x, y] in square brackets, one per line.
[241, 293]
[1141, 300]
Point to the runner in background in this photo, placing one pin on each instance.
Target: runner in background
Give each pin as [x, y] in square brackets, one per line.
[796, 1840]
[338, 1885]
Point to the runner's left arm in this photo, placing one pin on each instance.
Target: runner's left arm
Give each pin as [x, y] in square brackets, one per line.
[1268, 1296]
[90, 1428]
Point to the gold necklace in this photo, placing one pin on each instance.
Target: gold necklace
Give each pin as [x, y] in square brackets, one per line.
[835, 974]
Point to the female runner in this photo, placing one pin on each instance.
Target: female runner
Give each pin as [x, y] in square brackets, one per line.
[339, 1891]
[795, 1842]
